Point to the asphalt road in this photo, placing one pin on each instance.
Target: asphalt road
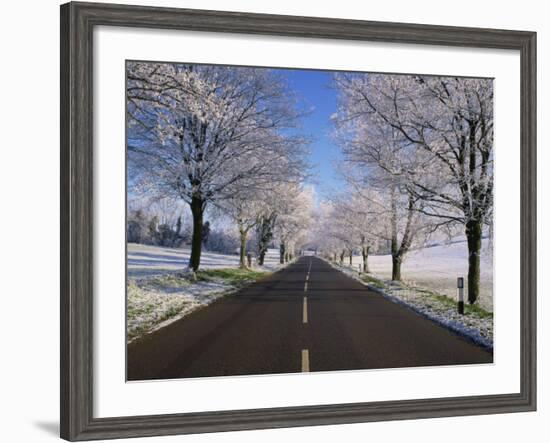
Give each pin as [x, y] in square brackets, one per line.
[306, 317]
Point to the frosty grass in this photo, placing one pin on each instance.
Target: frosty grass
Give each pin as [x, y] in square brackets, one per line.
[158, 293]
[155, 302]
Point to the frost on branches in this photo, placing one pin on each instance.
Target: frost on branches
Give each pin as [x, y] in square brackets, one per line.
[203, 133]
[294, 220]
[429, 142]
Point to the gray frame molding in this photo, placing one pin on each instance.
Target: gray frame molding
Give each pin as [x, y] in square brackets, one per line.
[77, 23]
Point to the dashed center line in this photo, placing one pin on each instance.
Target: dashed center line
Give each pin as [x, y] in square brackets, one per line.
[305, 352]
[305, 360]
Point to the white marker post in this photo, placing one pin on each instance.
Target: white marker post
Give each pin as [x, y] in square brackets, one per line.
[460, 289]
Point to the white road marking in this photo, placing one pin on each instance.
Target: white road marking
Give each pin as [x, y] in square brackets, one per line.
[305, 352]
[308, 271]
[305, 360]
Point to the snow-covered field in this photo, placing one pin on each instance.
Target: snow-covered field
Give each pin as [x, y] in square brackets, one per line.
[437, 268]
[159, 291]
[147, 260]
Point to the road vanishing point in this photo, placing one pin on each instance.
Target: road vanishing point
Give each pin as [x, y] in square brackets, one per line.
[307, 317]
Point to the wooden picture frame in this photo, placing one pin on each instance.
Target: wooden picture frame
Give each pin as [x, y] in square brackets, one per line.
[77, 23]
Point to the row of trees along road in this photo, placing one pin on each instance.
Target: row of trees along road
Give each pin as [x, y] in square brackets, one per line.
[215, 135]
[418, 156]
[284, 212]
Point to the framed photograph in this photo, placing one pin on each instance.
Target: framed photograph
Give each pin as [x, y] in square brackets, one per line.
[273, 221]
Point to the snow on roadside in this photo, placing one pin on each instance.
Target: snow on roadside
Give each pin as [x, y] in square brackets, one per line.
[155, 302]
[436, 268]
[159, 291]
[477, 328]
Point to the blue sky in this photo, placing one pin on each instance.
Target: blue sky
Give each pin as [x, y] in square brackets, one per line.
[312, 88]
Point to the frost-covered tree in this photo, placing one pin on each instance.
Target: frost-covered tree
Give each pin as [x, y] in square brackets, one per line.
[443, 129]
[205, 232]
[136, 227]
[196, 132]
[158, 221]
[375, 163]
[264, 231]
[334, 231]
[294, 219]
[223, 240]
[335, 222]
[283, 201]
[321, 232]
[359, 215]
[245, 210]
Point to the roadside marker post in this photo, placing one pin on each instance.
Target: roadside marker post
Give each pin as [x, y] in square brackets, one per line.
[460, 289]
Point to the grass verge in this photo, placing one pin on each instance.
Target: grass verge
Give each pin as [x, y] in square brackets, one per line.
[474, 310]
[440, 299]
[155, 300]
[232, 276]
[373, 281]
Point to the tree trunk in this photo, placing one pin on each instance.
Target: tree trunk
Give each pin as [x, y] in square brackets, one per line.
[365, 252]
[351, 258]
[342, 255]
[473, 234]
[395, 254]
[242, 256]
[282, 253]
[197, 209]
[264, 230]
[396, 268]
